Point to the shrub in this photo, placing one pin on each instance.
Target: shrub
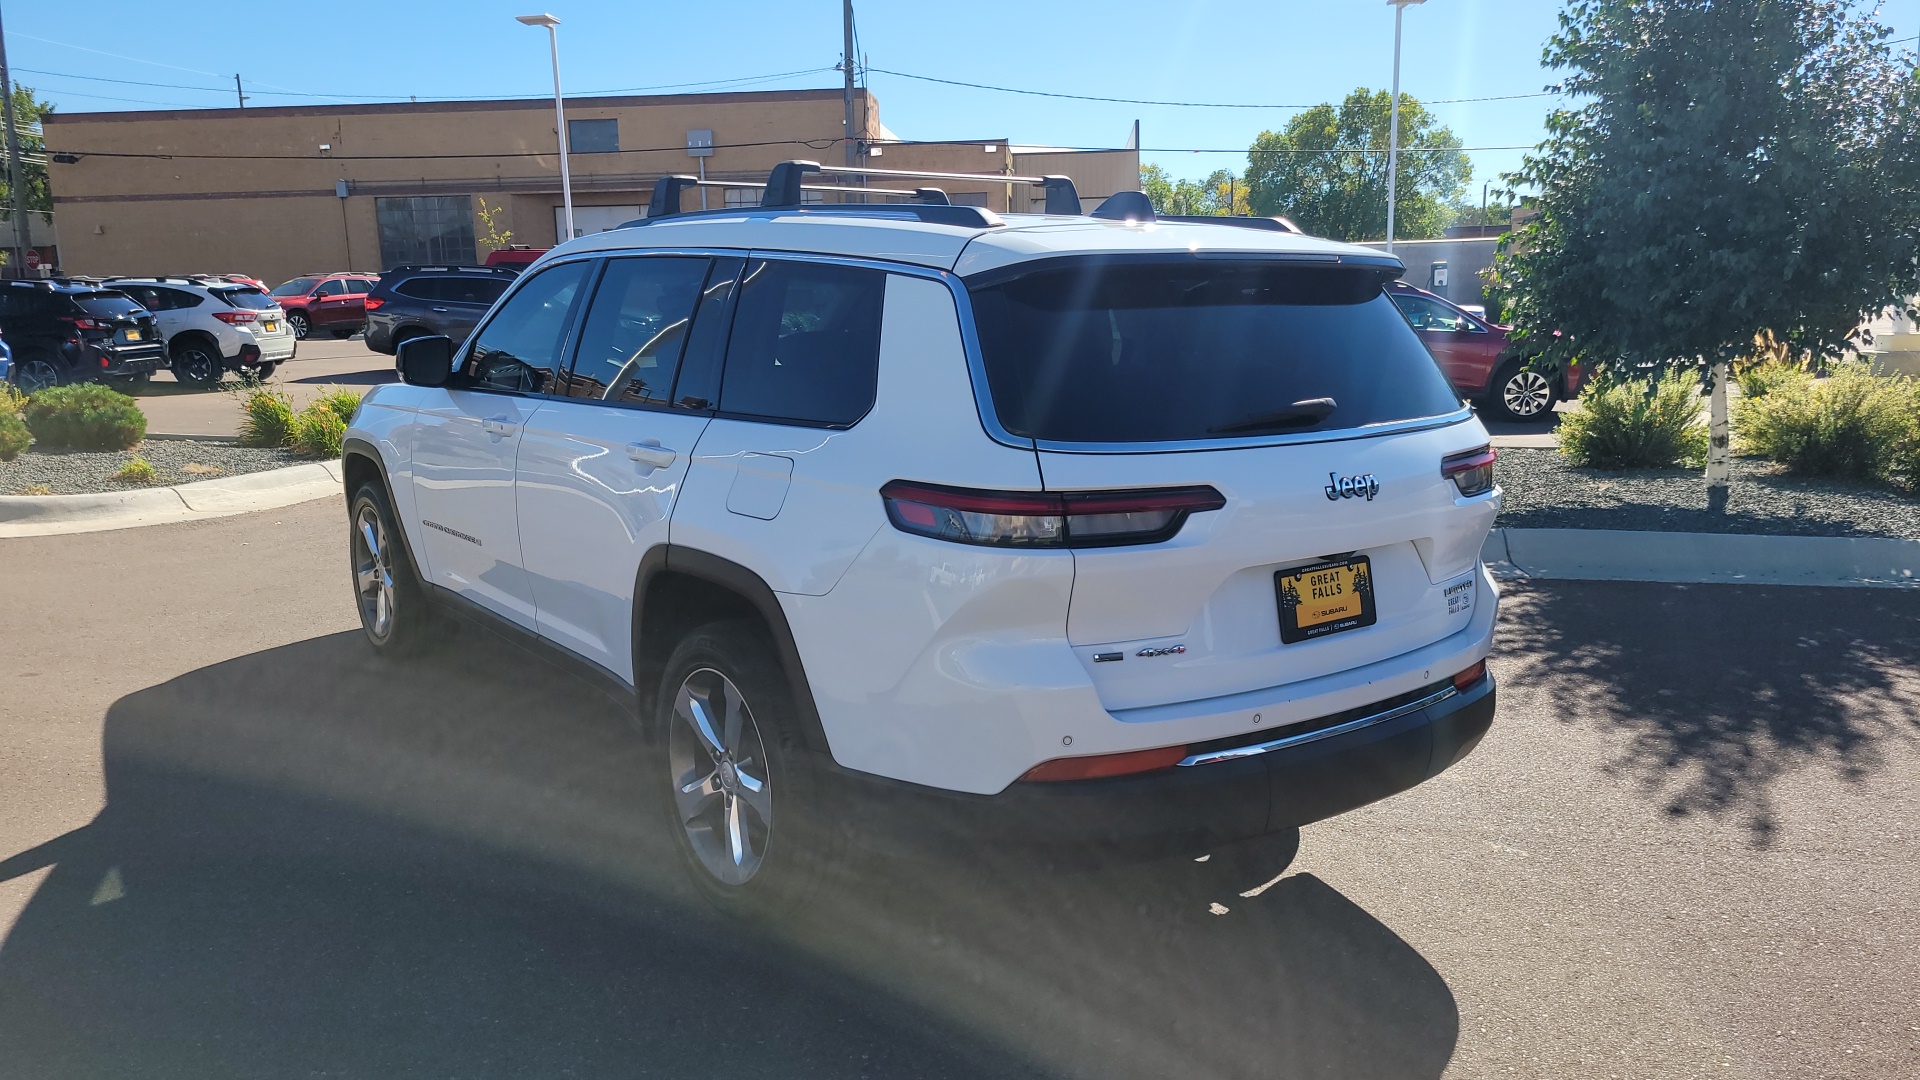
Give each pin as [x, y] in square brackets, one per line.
[137, 471]
[318, 431]
[340, 402]
[12, 400]
[86, 416]
[1759, 380]
[14, 436]
[1851, 424]
[1624, 423]
[266, 417]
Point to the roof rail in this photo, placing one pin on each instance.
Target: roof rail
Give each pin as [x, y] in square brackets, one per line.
[668, 189]
[1266, 224]
[511, 271]
[787, 181]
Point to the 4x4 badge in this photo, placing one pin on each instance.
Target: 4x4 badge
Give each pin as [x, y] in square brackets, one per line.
[1352, 487]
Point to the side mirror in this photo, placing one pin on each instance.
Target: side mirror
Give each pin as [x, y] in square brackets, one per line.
[425, 361]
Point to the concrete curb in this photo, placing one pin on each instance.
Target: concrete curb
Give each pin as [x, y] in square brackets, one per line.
[1704, 558]
[48, 515]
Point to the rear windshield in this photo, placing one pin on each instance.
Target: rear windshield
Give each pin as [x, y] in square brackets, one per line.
[107, 305]
[297, 287]
[245, 298]
[1159, 349]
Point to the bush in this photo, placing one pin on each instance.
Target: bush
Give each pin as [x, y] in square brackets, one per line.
[86, 416]
[137, 471]
[1623, 423]
[1759, 380]
[318, 431]
[12, 401]
[1853, 424]
[339, 402]
[266, 417]
[14, 436]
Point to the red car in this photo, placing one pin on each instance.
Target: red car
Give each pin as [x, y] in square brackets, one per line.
[1480, 361]
[329, 303]
[514, 256]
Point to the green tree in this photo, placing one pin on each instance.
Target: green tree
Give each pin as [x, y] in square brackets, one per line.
[1221, 192]
[1327, 170]
[27, 111]
[494, 238]
[1730, 170]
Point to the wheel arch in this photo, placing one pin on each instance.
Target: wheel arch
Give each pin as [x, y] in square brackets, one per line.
[202, 337]
[679, 589]
[360, 464]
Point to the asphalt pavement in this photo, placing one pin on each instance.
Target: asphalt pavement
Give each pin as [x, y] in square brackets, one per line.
[234, 843]
[319, 365]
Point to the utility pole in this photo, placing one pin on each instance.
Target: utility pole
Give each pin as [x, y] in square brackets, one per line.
[237, 92]
[17, 263]
[846, 64]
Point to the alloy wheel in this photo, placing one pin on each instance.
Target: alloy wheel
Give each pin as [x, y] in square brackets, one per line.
[35, 374]
[722, 788]
[299, 324]
[1527, 393]
[373, 572]
[196, 365]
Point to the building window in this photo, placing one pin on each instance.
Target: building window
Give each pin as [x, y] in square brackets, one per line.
[967, 198]
[593, 136]
[425, 229]
[750, 196]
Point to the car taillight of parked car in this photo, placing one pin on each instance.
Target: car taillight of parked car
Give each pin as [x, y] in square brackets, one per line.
[374, 302]
[1471, 472]
[87, 324]
[235, 318]
[1044, 519]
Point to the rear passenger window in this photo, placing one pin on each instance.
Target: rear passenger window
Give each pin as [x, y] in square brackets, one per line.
[517, 348]
[635, 330]
[806, 343]
[421, 288]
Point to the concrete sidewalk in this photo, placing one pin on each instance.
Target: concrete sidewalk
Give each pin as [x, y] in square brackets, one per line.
[1704, 558]
[47, 515]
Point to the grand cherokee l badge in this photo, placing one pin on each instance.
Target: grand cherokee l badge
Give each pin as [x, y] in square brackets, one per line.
[1352, 487]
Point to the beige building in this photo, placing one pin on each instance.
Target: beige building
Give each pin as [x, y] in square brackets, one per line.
[279, 192]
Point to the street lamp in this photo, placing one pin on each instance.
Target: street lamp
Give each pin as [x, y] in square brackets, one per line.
[559, 113]
[1393, 124]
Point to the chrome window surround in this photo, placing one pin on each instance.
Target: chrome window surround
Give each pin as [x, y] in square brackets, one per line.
[1256, 749]
[976, 361]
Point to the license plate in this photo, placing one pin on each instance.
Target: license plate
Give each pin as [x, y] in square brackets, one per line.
[133, 335]
[1325, 598]
[272, 327]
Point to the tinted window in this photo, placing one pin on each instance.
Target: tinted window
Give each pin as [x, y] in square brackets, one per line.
[1424, 314]
[631, 342]
[805, 344]
[1162, 350]
[107, 305]
[698, 386]
[420, 288]
[296, 287]
[174, 299]
[244, 298]
[517, 348]
[360, 285]
[474, 291]
[331, 288]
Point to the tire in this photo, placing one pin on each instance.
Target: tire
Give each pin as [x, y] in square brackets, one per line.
[1520, 394]
[301, 327]
[744, 799]
[197, 364]
[392, 605]
[37, 371]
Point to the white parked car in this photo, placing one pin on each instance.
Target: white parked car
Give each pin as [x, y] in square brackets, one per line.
[1056, 527]
[212, 325]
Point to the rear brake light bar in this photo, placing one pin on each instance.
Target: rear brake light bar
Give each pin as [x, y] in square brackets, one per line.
[235, 318]
[1471, 472]
[1041, 519]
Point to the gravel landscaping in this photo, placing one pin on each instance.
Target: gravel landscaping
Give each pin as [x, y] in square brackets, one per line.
[1544, 492]
[59, 472]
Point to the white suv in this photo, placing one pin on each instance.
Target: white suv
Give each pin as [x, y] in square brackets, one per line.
[212, 325]
[1057, 527]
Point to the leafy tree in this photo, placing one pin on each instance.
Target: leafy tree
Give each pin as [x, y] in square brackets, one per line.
[27, 111]
[1221, 193]
[1736, 170]
[1327, 170]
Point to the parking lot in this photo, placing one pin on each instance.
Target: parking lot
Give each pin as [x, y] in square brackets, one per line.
[318, 365]
[240, 845]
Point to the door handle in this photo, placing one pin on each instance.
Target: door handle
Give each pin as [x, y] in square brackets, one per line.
[498, 426]
[650, 453]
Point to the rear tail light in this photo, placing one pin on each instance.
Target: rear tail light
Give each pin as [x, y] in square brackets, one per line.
[374, 303]
[235, 318]
[88, 324]
[1044, 519]
[1471, 472]
[1472, 675]
[1095, 766]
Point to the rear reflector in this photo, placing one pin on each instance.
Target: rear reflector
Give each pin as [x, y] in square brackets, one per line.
[1471, 472]
[1467, 678]
[1099, 765]
[1044, 519]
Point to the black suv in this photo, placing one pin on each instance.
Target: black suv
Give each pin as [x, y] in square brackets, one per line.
[68, 330]
[412, 301]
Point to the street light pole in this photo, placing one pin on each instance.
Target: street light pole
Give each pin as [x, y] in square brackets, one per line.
[559, 115]
[1393, 124]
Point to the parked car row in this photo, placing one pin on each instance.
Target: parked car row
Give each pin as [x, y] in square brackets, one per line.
[1481, 361]
[326, 303]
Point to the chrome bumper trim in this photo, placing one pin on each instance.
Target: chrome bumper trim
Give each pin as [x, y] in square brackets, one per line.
[1285, 741]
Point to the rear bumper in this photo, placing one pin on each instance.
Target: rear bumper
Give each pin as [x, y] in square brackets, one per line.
[120, 362]
[1186, 806]
[379, 334]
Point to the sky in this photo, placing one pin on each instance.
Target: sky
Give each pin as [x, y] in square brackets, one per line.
[1280, 55]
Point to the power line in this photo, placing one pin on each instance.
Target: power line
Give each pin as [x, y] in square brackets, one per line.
[823, 143]
[1172, 104]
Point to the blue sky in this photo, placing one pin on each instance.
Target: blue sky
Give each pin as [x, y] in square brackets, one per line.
[1284, 53]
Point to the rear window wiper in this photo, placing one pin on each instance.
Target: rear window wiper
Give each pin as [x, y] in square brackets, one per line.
[1299, 414]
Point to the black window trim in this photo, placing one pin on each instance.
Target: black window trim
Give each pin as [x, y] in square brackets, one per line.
[759, 254]
[572, 349]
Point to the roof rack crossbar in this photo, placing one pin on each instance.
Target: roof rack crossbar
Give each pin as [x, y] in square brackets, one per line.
[785, 182]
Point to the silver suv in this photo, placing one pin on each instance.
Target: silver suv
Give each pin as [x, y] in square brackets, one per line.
[212, 326]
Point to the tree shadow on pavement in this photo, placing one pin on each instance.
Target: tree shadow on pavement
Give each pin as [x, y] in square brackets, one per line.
[1691, 676]
[313, 861]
